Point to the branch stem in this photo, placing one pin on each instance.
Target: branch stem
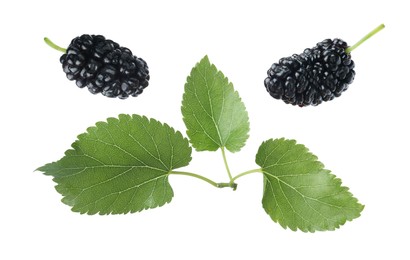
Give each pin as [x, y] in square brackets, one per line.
[365, 38]
[53, 45]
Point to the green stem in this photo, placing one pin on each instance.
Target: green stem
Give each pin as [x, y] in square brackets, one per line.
[53, 45]
[215, 184]
[226, 164]
[246, 173]
[370, 34]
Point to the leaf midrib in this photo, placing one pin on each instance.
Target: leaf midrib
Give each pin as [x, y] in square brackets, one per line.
[105, 166]
[298, 192]
[212, 116]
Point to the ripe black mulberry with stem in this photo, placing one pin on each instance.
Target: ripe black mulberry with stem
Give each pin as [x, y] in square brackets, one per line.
[103, 66]
[318, 74]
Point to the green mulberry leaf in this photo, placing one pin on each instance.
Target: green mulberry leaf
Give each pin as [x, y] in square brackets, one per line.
[212, 110]
[299, 193]
[120, 166]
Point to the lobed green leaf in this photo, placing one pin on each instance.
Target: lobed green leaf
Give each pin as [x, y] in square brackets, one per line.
[212, 110]
[120, 166]
[299, 193]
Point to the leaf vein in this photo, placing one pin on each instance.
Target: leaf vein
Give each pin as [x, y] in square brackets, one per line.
[130, 188]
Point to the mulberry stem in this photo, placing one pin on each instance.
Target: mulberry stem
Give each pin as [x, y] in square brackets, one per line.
[53, 45]
[370, 34]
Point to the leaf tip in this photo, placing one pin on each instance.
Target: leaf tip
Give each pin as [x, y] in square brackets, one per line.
[205, 59]
[47, 169]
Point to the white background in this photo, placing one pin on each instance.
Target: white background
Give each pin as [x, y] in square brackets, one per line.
[361, 136]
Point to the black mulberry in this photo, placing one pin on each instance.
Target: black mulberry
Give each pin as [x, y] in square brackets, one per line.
[318, 74]
[103, 66]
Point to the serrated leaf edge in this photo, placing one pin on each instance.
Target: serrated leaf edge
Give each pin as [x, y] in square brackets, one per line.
[319, 171]
[109, 120]
[229, 86]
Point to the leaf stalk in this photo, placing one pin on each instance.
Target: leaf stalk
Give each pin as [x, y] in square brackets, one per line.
[213, 183]
[226, 164]
[246, 173]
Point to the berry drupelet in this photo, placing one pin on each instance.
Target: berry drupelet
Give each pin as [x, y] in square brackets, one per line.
[318, 74]
[103, 66]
